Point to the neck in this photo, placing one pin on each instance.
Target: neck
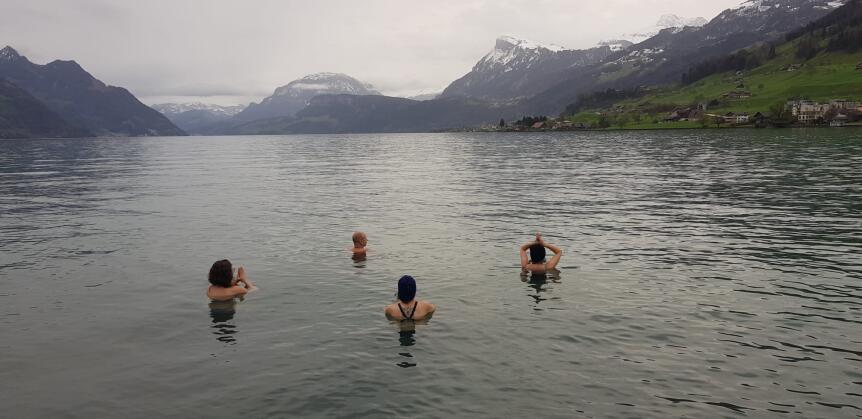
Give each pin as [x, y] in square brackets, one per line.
[407, 303]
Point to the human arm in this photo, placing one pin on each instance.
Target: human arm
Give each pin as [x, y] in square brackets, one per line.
[243, 279]
[552, 264]
[524, 259]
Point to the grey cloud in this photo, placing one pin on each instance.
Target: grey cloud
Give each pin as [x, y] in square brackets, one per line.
[246, 49]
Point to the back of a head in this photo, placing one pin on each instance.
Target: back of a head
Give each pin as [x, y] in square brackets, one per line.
[537, 253]
[221, 273]
[359, 239]
[406, 288]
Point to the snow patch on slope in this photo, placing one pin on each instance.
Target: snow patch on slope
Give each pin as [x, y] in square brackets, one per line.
[510, 52]
[324, 83]
[667, 21]
[178, 108]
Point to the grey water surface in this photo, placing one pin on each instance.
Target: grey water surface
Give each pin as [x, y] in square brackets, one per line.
[705, 274]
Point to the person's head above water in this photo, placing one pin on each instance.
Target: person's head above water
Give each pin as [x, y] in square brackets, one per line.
[359, 239]
[221, 273]
[408, 307]
[406, 288]
[537, 253]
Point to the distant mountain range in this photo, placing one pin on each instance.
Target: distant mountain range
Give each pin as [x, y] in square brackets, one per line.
[516, 78]
[663, 58]
[819, 64]
[519, 77]
[81, 100]
[197, 117]
[376, 113]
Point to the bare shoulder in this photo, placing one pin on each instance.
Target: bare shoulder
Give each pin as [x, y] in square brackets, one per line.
[428, 308]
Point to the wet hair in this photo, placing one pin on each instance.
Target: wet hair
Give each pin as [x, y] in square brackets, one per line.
[406, 288]
[221, 274]
[537, 253]
[358, 237]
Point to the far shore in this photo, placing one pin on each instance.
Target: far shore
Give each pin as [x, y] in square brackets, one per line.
[661, 127]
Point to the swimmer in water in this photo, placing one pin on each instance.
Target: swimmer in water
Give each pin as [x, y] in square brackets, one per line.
[225, 285]
[360, 240]
[536, 262]
[407, 307]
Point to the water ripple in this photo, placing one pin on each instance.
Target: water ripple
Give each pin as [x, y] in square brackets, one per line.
[706, 274]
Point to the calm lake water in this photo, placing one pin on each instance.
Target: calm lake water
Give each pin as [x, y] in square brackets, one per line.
[705, 274]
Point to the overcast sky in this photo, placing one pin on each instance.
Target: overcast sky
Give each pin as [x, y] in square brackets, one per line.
[231, 51]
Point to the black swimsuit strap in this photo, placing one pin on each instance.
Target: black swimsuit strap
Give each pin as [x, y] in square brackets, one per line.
[412, 312]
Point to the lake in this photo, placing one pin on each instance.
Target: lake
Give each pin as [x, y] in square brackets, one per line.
[705, 274]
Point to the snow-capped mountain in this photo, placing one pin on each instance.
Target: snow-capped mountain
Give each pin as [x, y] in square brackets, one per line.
[770, 16]
[518, 68]
[294, 96]
[752, 21]
[324, 84]
[667, 21]
[664, 57]
[423, 96]
[195, 118]
[616, 45]
[9, 54]
[169, 109]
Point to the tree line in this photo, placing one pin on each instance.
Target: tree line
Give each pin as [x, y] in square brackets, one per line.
[745, 59]
[602, 98]
[840, 30]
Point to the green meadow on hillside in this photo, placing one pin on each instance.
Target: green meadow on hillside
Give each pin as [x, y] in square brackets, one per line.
[827, 76]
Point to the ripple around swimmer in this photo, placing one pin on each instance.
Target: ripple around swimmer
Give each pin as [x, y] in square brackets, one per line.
[702, 275]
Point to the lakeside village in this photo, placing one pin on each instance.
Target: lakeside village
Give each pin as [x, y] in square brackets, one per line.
[797, 113]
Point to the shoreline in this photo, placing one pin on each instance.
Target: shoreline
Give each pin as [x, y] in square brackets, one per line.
[463, 130]
[662, 129]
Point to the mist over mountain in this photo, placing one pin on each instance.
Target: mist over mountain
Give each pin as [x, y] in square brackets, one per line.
[294, 96]
[82, 100]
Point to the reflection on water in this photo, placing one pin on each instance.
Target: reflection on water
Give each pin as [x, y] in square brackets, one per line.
[407, 338]
[539, 283]
[222, 313]
[359, 259]
[718, 275]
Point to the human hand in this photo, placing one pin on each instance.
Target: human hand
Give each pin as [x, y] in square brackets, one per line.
[240, 275]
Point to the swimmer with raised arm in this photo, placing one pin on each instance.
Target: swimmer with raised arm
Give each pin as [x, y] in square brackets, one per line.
[224, 286]
[536, 262]
[407, 307]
